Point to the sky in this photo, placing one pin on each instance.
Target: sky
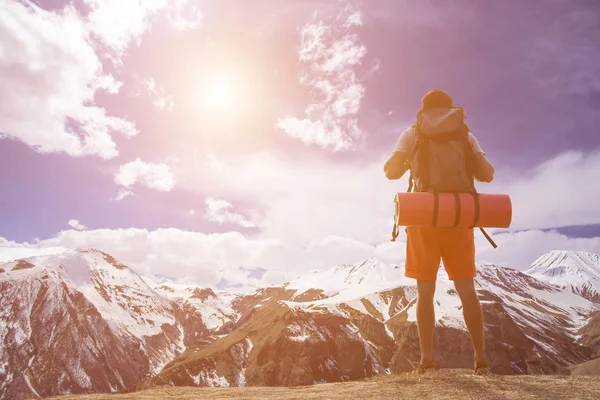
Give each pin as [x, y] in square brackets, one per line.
[233, 143]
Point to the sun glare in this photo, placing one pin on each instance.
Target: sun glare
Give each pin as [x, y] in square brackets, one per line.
[223, 96]
[221, 91]
[218, 93]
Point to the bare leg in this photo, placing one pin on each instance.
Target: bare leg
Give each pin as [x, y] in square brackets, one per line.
[426, 320]
[473, 318]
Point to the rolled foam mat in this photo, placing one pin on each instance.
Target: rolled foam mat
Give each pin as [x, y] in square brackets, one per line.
[449, 209]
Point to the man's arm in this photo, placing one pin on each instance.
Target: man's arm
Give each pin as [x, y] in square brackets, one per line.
[396, 166]
[484, 171]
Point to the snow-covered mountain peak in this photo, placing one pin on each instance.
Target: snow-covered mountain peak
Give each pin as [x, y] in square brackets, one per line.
[561, 262]
[121, 296]
[368, 270]
[579, 271]
[351, 281]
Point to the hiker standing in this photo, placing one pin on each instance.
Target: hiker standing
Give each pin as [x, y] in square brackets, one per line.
[443, 156]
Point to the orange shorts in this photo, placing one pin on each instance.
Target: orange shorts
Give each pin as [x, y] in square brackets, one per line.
[426, 246]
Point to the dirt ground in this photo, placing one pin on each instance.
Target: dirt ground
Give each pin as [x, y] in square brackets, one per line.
[445, 384]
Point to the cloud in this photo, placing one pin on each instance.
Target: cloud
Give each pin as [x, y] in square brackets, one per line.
[215, 164]
[558, 192]
[75, 224]
[331, 52]
[164, 103]
[178, 12]
[51, 70]
[208, 259]
[152, 175]
[117, 23]
[520, 249]
[218, 211]
[160, 99]
[11, 251]
[300, 201]
[123, 193]
[49, 74]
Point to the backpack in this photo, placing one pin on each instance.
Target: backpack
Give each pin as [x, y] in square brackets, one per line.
[443, 159]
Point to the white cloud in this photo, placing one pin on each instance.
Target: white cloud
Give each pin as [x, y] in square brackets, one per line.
[51, 62]
[301, 202]
[164, 103]
[206, 259]
[11, 251]
[355, 19]
[123, 193]
[332, 52]
[75, 224]
[520, 249]
[117, 23]
[49, 75]
[160, 99]
[218, 210]
[559, 192]
[155, 176]
[178, 12]
[215, 164]
[318, 198]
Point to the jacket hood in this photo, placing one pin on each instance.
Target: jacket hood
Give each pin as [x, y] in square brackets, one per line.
[440, 120]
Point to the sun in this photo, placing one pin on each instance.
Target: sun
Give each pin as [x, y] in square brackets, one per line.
[223, 95]
[219, 92]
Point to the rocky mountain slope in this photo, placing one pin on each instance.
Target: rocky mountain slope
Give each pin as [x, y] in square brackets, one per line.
[80, 321]
[590, 334]
[357, 321]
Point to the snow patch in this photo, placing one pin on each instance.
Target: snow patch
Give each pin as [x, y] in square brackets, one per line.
[240, 353]
[210, 379]
[308, 331]
[215, 311]
[30, 386]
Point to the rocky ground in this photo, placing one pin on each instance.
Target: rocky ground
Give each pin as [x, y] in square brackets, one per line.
[445, 384]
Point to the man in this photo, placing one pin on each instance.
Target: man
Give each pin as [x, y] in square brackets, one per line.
[443, 165]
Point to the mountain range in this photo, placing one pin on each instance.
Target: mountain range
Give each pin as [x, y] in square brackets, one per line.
[80, 321]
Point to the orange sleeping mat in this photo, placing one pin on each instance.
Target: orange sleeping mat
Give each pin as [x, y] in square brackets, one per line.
[447, 210]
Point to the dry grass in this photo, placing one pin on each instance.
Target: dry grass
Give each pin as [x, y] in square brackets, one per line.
[588, 368]
[446, 384]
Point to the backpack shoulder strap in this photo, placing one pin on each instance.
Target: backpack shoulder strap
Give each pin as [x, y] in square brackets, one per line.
[412, 156]
[469, 156]
[422, 148]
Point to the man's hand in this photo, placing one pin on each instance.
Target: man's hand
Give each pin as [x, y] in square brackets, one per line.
[396, 166]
